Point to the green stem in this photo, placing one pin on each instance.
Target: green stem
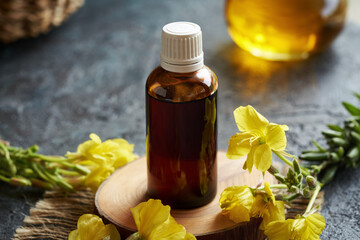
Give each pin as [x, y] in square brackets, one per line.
[67, 172]
[304, 171]
[284, 159]
[42, 175]
[4, 179]
[48, 158]
[289, 197]
[11, 166]
[312, 200]
[77, 167]
[6, 152]
[277, 186]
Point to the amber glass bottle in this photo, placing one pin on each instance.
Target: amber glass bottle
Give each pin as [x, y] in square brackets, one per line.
[283, 29]
[181, 100]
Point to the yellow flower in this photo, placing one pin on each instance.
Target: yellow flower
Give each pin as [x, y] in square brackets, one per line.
[154, 222]
[279, 230]
[91, 227]
[266, 207]
[257, 138]
[301, 228]
[236, 203]
[102, 158]
[115, 152]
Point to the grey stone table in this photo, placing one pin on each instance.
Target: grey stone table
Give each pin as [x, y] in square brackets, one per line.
[89, 75]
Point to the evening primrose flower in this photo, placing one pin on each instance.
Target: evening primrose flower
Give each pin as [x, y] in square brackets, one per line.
[236, 203]
[266, 207]
[257, 139]
[301, 228]
[91, 227]
[102, 158]
[115, 152]
[154, 222]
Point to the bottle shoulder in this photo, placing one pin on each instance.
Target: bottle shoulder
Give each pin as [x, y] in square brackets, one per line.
[181, 87]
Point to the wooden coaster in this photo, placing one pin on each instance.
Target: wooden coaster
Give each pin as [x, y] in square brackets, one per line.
[126, 188]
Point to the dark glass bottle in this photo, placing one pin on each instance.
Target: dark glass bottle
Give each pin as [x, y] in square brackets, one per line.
[181, 135]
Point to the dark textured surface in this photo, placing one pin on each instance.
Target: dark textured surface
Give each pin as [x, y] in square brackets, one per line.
[89, 75]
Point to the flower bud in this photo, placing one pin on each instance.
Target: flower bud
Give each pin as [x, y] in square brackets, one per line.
[311, 181]
[34, 148]
[307, 192]
[273, 170]
[279, 177]
[41, 184]
[297, 167]
[315, 168]
[20, 181]
[300, 178]
[294, 189]
[28, 172]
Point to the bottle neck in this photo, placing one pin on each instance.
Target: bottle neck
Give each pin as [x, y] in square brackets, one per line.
[182, 68]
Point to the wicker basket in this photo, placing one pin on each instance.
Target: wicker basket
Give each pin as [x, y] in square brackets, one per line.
[29, 18]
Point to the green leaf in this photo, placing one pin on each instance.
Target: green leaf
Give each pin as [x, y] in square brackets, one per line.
[321, 149]
[335, 127]
[339, 142]
[353, 154]
[329, 174]
[357, 95]
[351, 109]
[331, 133]
[315, 156]
[355, 135]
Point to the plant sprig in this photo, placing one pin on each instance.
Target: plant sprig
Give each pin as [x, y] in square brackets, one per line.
[25, 167]
[343, 147]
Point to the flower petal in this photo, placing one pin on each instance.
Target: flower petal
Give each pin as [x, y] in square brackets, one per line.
[248, 119]
[189, 236]
[239, 145]
[74, 235]
[279, 230]
[236, 202]
[91, 227]
[262, 157]
[169, 230]
[85, 147]
[275, 137]
[97, 175]
[269, 192]
[298, 228]
[276, 212]
[149, 215]
[95, 138]
[314, 224]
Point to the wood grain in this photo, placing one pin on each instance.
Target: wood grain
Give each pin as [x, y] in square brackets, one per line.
[127, 187]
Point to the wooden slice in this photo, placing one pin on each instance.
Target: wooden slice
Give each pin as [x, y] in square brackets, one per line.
[126, 188]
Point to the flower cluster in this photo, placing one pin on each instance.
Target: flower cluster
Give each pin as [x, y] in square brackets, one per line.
[240, 203]
[102, 158]
[258, 140]
[93, 162]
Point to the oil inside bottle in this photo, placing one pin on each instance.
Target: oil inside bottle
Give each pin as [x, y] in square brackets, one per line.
[283, 29]
[181, 138]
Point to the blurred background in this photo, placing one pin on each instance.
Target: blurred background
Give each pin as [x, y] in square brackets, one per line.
[87, 74]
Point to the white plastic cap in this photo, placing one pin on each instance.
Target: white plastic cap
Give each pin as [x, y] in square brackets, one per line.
[181, 47]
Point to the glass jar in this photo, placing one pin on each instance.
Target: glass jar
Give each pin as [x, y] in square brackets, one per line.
[282, 29]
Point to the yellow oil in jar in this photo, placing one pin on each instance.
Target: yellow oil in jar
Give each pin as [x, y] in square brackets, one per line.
[284, 29]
